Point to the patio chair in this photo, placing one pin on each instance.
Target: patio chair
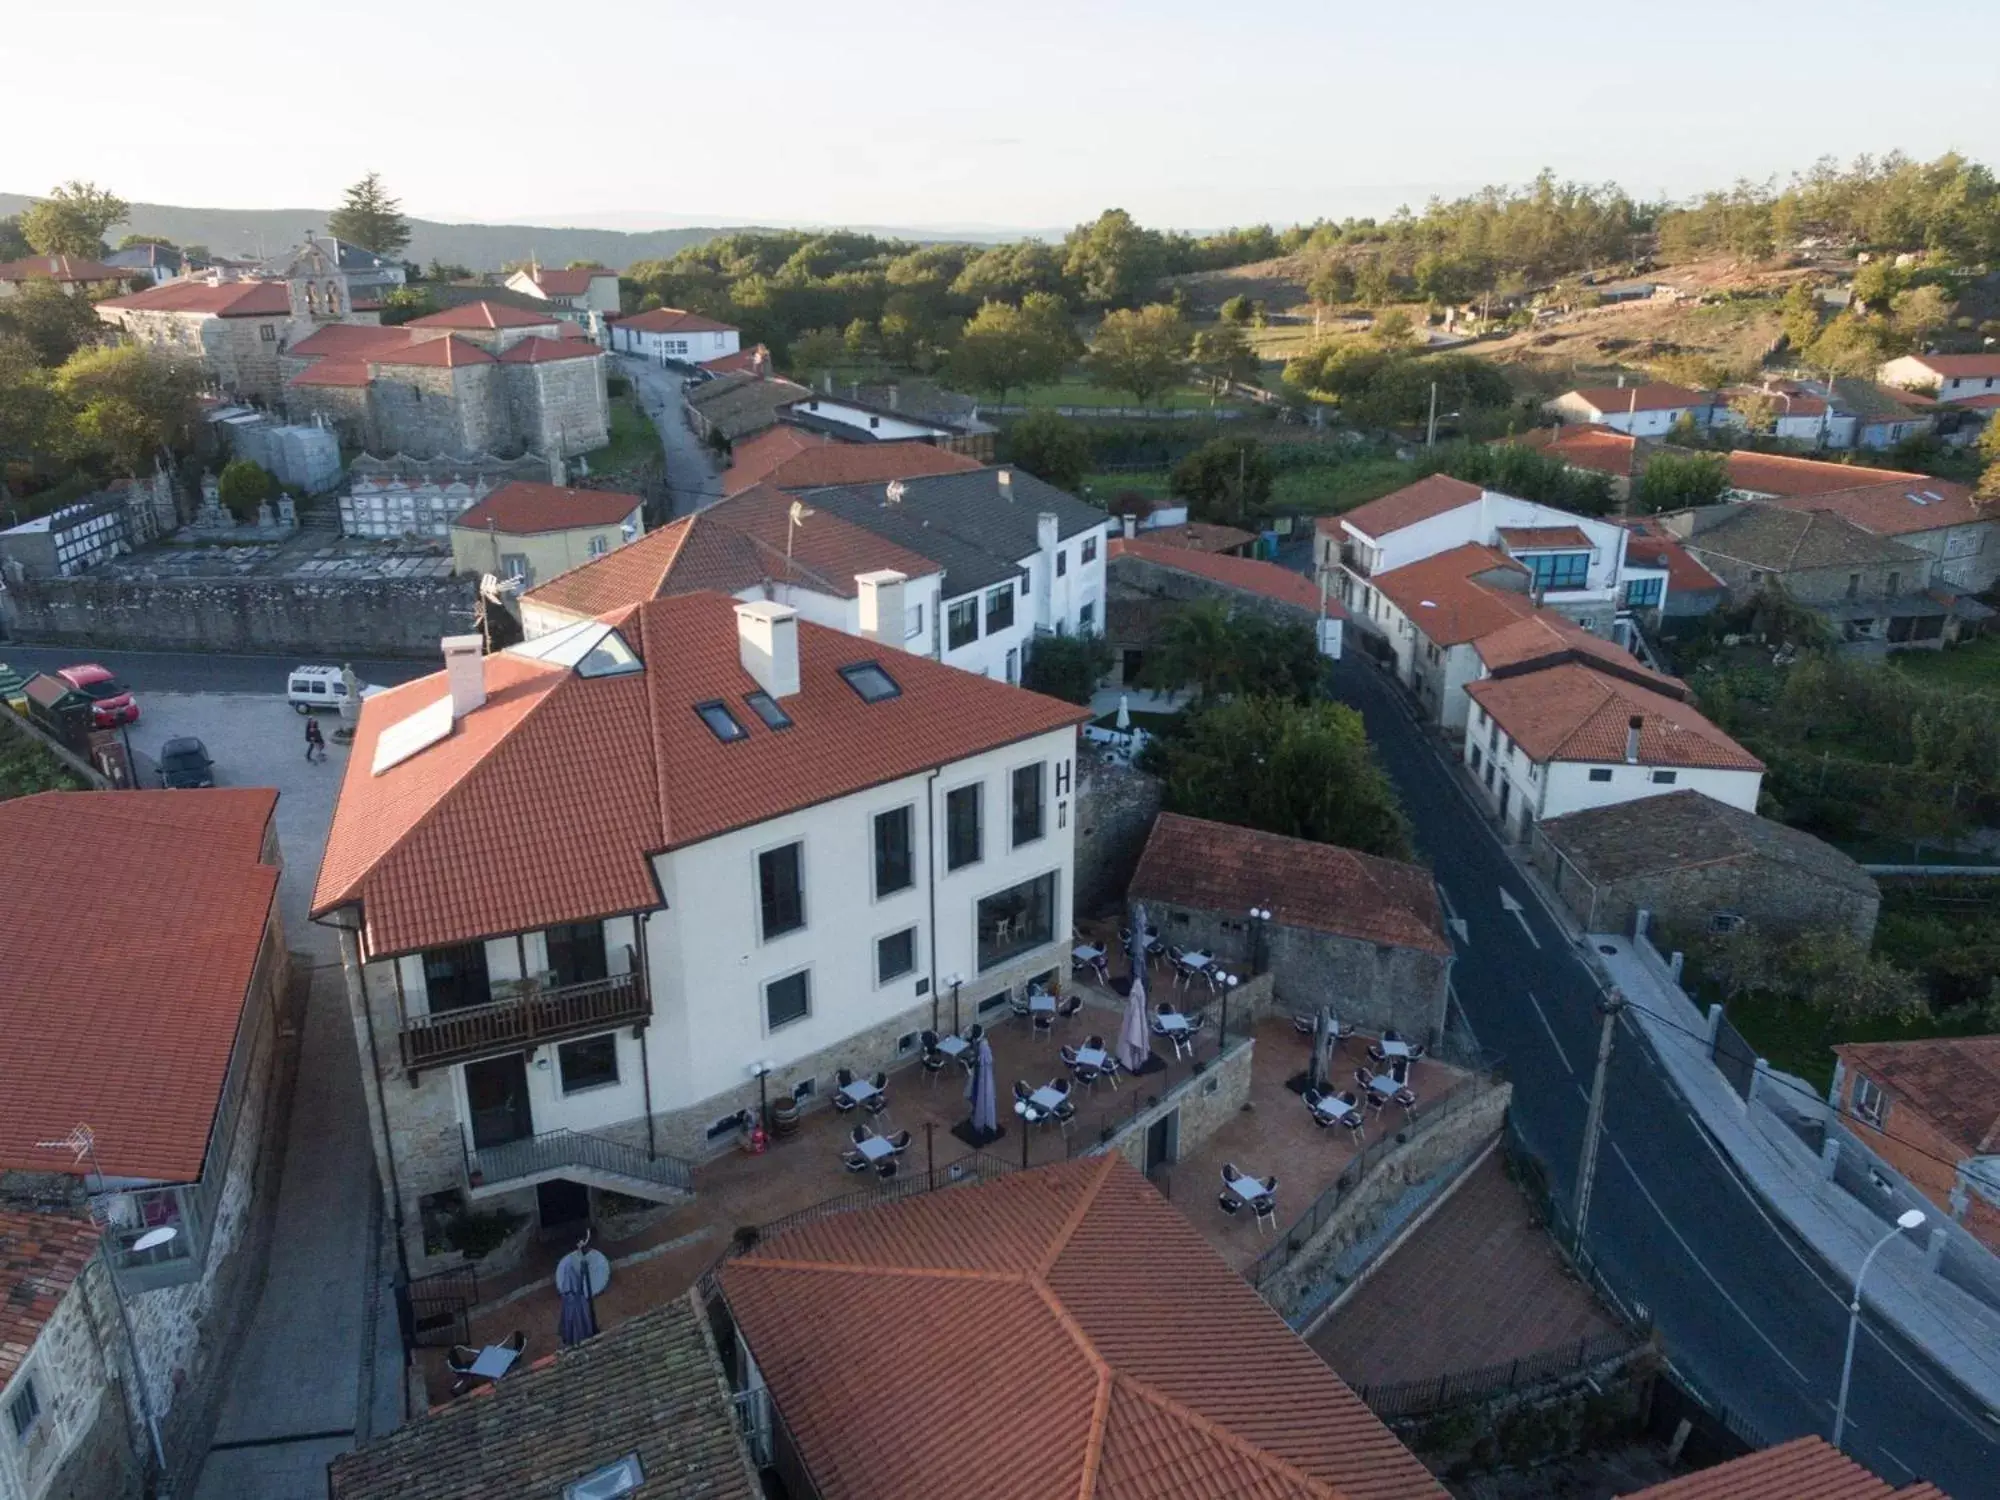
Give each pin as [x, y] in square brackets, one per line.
[1095, 1041]
[860, 1133]
[842, 1077]
[1227, 1201]
[1044, 1023]
[1364, 1077]
[1376, 1054]
[1231, 1172]
[1060, 1085]
[1067, 1009]
[1271, 1186]
[1342, 1031]
[973, 1033]
[1392, 1035]
[928, 1040]
[1304, 1025]
[1155, 948]
[1021, 1091]
[1097, 968]
[1063, 1113]
[877, 1103]
[1314, 1100]
[1018, 1004]
[1068, 1054]
[1417, 1050]
[1184, 973]
[1408, 1099]
[1111, 1069]
[886, 1169]
[899, 1142]
[1400, 1070]
[1266, 1209]
[459, 1359]
[854, 1161]
[933, 1063]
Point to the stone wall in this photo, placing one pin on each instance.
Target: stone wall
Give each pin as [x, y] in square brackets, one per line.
[1130, 577]
[87, 1447]
[314, 619]
[423, 410]
[1206, 1101]
[1115, 809]
[561, 406]
[1373, 985]
[1428, 1146]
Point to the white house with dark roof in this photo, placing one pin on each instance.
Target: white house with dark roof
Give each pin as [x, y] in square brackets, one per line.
[589, 888]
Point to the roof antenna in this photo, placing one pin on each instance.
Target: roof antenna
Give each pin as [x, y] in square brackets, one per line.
[794, 520]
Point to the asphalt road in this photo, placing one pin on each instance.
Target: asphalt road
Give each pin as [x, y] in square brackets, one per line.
[692, 481]
[1752, 1316]
[198, 672]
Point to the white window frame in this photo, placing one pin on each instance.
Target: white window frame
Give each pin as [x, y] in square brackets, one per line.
[1870, 1103]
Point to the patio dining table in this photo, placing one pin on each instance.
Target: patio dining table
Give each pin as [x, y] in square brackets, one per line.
[951, 1046]
[1091, 1057]
[1394, 1049]
[1247, 1188]
[1197, 961]
[1171, 1021]
[1384, 1085]
[1042, 1001]
[1087, 953]
[875, 1147]
[1330, 1108]
[860, 1091]
[1045, 1099]
[494, 1361]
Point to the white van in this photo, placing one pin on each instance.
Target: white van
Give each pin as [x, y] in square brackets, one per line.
[308, 688]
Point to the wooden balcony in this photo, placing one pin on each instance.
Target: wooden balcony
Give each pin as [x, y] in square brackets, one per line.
[523, 1021]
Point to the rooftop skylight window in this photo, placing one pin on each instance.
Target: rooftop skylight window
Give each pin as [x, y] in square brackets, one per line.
[871, 681]
[765, 707]
[721, 722]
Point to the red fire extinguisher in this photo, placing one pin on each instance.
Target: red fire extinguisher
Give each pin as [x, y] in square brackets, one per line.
[758, 1140]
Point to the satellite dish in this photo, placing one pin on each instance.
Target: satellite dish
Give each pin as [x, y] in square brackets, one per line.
[495, 590]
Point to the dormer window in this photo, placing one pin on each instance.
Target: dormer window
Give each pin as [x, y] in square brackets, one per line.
[765, 707]
[871, 681]
[720, 721]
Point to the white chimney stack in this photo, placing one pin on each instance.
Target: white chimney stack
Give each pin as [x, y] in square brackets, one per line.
[881, 596]
[465, 670]
[767, 637]
[1006, 477]
[1632, 728]
[1129, 523]
[1048, 533]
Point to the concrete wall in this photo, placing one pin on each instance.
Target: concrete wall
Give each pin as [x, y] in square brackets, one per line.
[1205, 1101]
[317, 620]
[1115, 809]
[475, 550]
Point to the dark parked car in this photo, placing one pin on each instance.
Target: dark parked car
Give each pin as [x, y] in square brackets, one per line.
[185, 763]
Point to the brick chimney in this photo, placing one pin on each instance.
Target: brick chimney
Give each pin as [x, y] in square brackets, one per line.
[767, 639]
[881, 597]
[465, 670]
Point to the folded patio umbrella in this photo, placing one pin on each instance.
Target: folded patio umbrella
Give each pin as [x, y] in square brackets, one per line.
[579, 1316]
[985, 1110]
[1138, 944]
[1134, 1041]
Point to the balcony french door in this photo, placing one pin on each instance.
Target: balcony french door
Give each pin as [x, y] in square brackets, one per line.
[496, 1095]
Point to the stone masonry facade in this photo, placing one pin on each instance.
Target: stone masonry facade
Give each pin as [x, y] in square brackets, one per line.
[1115, 809]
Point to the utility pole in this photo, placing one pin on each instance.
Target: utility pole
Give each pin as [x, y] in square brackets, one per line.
[1586, 1172]
[1431, 430]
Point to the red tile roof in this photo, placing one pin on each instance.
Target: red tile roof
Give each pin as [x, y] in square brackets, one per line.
[813, 462]
[753, 359]
[335, 372]
[41, 1256]
[450, 352]
[484, 315]
[1780, 474]
[123, 975]
[1443, 598]
[673, 320]
[569, 283]
[1534, 538]
[493, 830]
[757, 455]
[1953, 1082]
[1573, 713]
[1960, 366]
[1650, 547]
[1221, 867]
[1806, 1468]
[1405, 507]
[1245, 574]
[1199, 537]
[71, 268]
[523, 508]
[1898, 508]
[1585, 445]
[1984, 401]
[1133, 1364]
[536, 350]
[1655, 396]
[226, 299]
[348, 339]
[1546, 638]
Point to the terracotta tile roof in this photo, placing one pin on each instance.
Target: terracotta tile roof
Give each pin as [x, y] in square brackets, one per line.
[673, 320]
[1442, 596]
[836, 463]
[757, 455]
[570, 283]
[347, 340]
[650, 1386]
[755, 359]
[523, 508]
[1546, 639]
[450, 352]
[1900, 507]
[41, 1256]
[172, 902]
[742, 405]
[59, 268]
[1780, 474]
[1412, 503]
[332, 371]
[1532, 538]
[1953, 1082]
[1984, 401]
[1783, 539]
[1198, 537]
[1960, 366]
[1650, 547]
[1806, 1468]
[1585, 445]
[537, 350]
[1248, 575]
[739, 543]
[1654, 396]
[1134, 1364]
[227, 299]
[492, 830]
[484, 314]
[1687, 830]
[1221, 867]
[1572, 713]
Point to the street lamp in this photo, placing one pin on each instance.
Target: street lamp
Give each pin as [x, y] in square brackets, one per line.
[760, 1071]
[1228, 983]
[1911, 1219]
[1259, 916]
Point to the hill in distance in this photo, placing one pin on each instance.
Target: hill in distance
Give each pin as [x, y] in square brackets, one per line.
[254, 233]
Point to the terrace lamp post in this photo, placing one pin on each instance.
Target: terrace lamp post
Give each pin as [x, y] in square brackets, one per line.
[1228, 983]
[1908, 1220]
[1260, 928]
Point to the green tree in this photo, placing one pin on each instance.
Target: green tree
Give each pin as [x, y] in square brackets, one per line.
[30, 409]
[1068, 667]
[129, 404]
[1850, 345]
[1303, 770]
[139, 241]
[441, 270]
[72, 220]
[1225, 480]
[1799, 313]
[52, 322]
[13, 244]
[402, 303]
[1052, 448]
[1332, 285]
[817, 351]
[1223, 354]
[1205, 649]
[1142, 350]
[370, 218]
[243, 485]
[1112, 261]
[1006, 348]
[1675, 481]
[1920, 312]
[1237, 310]
[1758, 411]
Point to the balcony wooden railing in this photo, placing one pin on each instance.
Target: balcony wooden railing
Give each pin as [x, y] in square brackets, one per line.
[522, 1021]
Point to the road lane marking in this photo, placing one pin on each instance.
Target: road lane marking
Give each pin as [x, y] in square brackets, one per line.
[1543, 1017]
[1510, 904]
[1451, 917]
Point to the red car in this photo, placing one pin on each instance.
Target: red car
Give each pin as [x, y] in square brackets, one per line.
[110, 703]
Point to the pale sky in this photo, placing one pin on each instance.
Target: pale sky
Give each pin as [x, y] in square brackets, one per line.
[1028, 114]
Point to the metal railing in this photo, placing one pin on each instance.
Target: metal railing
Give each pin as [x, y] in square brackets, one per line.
[523, 1021]
[568, 1150]
[1409, 1398]
[436, 1308]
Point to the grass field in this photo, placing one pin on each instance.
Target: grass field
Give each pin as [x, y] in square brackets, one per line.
[1797, 1039]
[635, 441]
[1075, 390]
[1328, 490]
[1101, 487]
[27, 767]
[1974, 665]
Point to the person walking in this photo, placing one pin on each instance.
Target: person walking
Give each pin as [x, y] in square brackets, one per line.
[315, 741]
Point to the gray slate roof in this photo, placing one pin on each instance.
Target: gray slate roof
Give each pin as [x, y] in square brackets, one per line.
[740, 404]
[1785, 541]
[977, 531]
[1686, 829]
[651, 1385]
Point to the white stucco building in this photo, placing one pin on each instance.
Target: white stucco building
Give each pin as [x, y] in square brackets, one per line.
[670, 334]
[1647, 410]
[664, 853]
